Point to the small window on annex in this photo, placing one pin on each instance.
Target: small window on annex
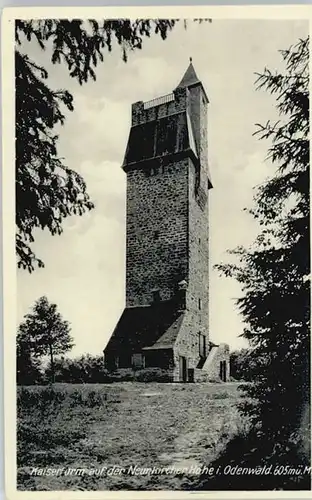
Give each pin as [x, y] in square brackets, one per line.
[138, 360]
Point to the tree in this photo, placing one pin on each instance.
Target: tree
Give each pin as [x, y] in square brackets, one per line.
[47, 190]
[45, 332]
[274, 272]
[246, 364]
[27, 366]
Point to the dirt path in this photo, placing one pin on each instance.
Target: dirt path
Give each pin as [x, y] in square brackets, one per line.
[138, 425]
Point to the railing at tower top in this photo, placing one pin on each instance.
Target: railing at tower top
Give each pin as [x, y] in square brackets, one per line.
[159, 100]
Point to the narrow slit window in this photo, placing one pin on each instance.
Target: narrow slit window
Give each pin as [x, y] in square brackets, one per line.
[202, 345]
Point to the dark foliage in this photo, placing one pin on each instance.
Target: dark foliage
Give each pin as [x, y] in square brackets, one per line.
[88, 369]
[275, 273]
[85, 369]
[47, 190]
[267, 465]
[27, 366]
[152, 375]
[246, 364]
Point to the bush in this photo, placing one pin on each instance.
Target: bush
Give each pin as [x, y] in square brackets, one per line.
[152, 375]
[85, 369]
[246, 364]
[249, 450]
[121, 375]
[28, 370]
[27, 399]
[89, 369]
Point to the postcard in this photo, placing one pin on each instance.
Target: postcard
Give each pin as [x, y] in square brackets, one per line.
[156, 228]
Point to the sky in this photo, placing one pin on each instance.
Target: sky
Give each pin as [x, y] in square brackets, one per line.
[84, 270]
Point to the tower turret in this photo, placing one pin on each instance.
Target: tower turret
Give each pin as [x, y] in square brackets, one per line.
[198, 106]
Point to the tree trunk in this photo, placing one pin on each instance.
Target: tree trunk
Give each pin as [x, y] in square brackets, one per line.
[52, 364]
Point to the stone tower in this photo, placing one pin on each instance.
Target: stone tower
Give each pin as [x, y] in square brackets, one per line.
[165, 323]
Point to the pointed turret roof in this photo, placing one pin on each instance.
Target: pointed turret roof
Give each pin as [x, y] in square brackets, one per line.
[190, 78]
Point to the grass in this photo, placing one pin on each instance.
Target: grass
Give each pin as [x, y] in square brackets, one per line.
[122, 424]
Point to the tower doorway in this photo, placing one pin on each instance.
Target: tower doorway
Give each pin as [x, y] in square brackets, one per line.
[223, 371]
[183, 369]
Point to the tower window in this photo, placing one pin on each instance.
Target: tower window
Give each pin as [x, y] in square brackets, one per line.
[156, 235]
[199, 304]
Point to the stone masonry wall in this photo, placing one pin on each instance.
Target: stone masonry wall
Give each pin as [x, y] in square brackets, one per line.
[197, 298]
[199, 117]
[198, 290]
[187, 343]
[157, 232]
[213, 370]
[157, 201]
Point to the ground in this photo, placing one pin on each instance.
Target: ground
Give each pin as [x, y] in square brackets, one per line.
[92, 426]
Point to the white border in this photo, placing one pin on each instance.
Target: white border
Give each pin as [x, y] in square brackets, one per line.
[294, 12]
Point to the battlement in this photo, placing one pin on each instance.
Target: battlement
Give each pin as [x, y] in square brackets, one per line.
[162, 106]
[158, 101]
